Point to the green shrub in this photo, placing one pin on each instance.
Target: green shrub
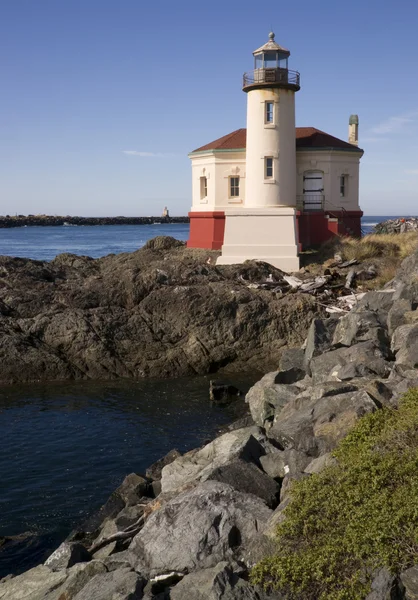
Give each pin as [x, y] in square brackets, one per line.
[352, 518]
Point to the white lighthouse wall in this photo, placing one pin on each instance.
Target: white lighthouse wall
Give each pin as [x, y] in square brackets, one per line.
[275, 140]
[332, 164]
[218, 167]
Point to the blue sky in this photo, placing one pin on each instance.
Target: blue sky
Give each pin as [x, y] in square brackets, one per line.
[85, 81]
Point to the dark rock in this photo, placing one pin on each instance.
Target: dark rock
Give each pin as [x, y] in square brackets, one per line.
[365, 357]
[397, 314]
[35, 584]
[316, 426]
[274, 464]
[319, 338]
[130, 514]
[292, 358]
[161, 311]
[247, 444]
[359, 327]
[154, 471]
[267, 396]
[119, 560]
[409, 579]
[385, 586]
[216, 583]
[222, 393]
[241, 423]
[290, 376]
[247, 478]
[378, 301]
[67, 555]
[122, 584]
[197, 529]
[405, 345]
[132, 489]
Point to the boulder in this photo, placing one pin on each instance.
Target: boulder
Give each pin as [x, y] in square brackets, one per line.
[409, 579]
[78, 577]
[132, 489]
[34, 584]
[359, 327]
[267, 396]
[320, 337]
[385, 586]
[216, 583]
[397, 312]
[274, 464]
[379, 301]
[222, 393]
[247, 444]
[122, 584]
[320, 463]
[316, 426]
[67, 555]
[247, 478]
[405, 345]
[362, 359]
[197, 529]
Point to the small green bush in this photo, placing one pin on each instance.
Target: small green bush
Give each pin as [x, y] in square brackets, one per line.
[352, 518]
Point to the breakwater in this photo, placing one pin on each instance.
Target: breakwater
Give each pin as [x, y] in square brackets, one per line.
[49, 220]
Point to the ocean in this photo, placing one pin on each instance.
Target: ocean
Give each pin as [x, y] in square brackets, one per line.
[66, 447]
[44, 243]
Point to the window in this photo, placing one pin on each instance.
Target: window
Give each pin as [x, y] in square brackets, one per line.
[203, 187]
[269, 117]
[343, 186]
[268, 167]
[234, 187]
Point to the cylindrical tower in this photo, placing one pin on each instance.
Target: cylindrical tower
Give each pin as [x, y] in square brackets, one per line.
[271, 137]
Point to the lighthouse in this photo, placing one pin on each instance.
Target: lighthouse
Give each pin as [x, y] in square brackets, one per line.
[264, 228]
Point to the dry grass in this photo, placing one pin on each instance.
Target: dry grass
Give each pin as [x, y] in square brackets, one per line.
[384, 251]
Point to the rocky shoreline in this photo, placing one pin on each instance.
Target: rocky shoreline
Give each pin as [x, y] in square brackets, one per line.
[57, 221]
[162, 311]
[193, 525]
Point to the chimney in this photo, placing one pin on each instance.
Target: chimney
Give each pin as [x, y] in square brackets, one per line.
[353, 130]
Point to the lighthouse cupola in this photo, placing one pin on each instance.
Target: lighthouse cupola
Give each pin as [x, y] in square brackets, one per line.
[271, 66]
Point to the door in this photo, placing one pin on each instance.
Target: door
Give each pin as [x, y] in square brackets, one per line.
[313, 190]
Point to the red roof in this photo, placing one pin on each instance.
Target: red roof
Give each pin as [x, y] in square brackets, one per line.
[306, 137]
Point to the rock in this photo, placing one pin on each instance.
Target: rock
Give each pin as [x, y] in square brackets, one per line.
[34, 584]
[409, 579]
[247, 444]
[405, 345]
[217, 583]
[365, 358]
[316, 426]
[359, 327]
[274, 465]
[320, 463]
[108, 528]
[67, 555]
[121, 584]
[130, 514]
[198, 529]
[222, 393]
[379, 302]
[384, 587]
[78, 577]
[382, 392]
[119, 560]
[154, 471]
[319, 338]
[267, 396]
[81, 318]
[132, 489]
[247, 478]
[396, 314]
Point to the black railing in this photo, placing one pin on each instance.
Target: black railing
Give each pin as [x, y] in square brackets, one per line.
[310, 202]
[275, 75]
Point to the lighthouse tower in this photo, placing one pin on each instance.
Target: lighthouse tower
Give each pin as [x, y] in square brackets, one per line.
[265, 227]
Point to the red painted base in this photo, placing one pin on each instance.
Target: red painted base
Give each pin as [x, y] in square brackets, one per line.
[314, 228]
[206, 230]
